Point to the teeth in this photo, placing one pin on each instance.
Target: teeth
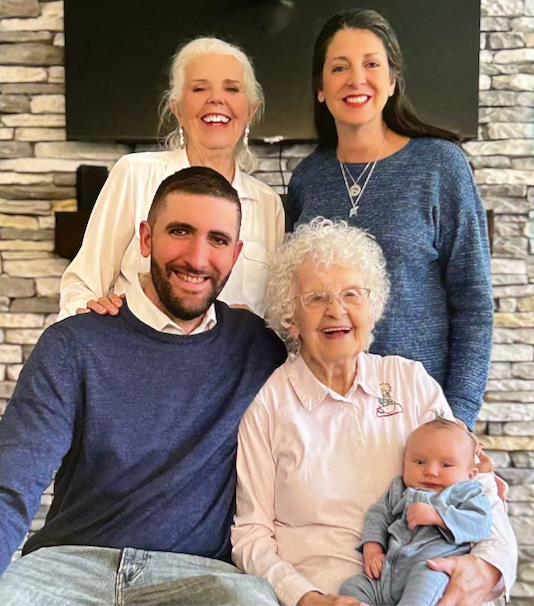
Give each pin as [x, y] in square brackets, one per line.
[336, 329]
[188, 278]
[358, 99]
[216, 118]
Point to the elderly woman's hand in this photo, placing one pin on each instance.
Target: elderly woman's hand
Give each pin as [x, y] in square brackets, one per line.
[104, 305]
[472, 580]
[314, 598]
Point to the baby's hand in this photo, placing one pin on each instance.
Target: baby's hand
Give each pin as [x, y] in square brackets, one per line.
[423, 514]
[373, 559]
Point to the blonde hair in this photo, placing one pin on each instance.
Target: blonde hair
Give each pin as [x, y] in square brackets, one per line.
[201, 47]
[323, 242]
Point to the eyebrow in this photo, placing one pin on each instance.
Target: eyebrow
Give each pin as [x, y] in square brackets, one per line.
[366, 56]
[226, 81]
[192, 229]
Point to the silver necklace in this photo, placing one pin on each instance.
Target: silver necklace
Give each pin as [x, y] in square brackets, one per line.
[355, 191]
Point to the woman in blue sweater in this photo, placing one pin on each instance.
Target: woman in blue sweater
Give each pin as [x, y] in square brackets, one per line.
[408, 183]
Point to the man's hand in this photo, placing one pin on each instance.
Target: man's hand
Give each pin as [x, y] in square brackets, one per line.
[423, 514]
[373, 559]
[473, 580]
[314, 598]
[104, 305]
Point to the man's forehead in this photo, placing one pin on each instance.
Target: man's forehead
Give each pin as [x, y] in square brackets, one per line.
[181, 206]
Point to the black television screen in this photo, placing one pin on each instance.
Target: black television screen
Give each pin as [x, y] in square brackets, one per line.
[118, 54]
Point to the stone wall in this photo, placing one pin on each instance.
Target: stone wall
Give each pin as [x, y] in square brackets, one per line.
[37, 178]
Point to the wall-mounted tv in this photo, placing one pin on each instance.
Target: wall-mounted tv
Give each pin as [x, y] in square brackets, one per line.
[118, 54]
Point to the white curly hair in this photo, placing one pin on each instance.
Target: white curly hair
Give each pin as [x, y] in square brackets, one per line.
[200, 47]
[323, 242]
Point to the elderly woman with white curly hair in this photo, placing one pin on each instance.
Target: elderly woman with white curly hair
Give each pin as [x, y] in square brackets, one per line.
[213, 98]
[325, 436]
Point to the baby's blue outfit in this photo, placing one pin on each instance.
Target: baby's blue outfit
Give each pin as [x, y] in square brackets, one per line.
[406, 579]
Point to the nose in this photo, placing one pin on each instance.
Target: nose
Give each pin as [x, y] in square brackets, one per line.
[335, 309]
[216, 96]
[431, 470]
[357, 75]
[197, 254]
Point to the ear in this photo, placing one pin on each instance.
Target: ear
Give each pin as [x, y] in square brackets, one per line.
[252, 110]
[294, 331]
[145, 237]
[473, 473]
[320, 96]
[175, 109]
[237, 251]
[392, 85]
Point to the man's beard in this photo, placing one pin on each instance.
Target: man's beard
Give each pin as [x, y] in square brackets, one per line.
[174, 305]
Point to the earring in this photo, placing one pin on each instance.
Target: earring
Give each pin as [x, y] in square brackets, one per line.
[245, 136]
[181, 137]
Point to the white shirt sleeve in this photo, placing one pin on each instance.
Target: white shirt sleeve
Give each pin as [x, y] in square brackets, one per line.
[110, 230]
[253, 534]
[500, 549]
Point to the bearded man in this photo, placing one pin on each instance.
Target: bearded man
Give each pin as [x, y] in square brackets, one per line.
[138, 414]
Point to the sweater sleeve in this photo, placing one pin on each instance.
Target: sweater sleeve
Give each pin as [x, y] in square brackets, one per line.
[466, 512]
[294, 201]
[111, 227]
[35, 434]
[465, 266]
[253, 535]
[380, 515]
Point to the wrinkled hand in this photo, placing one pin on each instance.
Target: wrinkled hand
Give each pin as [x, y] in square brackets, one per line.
[423, 514]
[472, 580]
[104, 305]
[314, 598]
[486, 462]
[486, 466]
[373, 559]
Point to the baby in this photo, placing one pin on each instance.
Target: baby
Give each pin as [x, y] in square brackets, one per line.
[435, 510]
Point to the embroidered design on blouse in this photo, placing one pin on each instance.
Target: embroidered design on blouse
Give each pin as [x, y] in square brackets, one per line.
[386, 404]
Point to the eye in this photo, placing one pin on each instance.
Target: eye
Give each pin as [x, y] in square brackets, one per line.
[419, 462]
[372, 64]
[448, 465]
[233, 89]
[198, 89]
[315, 298]
[354, 296]
[178, 231]
[219, 241]
[337, 69]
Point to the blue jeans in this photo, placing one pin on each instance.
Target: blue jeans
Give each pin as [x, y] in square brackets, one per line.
[97, 576]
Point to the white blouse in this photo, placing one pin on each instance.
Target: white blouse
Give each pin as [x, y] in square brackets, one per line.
[110, 257]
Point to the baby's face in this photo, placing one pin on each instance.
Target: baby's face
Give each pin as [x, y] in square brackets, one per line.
[438, 457]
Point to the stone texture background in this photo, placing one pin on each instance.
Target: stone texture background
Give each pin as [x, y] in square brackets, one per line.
[37, 178]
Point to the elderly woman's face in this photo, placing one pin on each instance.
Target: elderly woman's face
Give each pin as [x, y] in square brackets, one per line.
[340, 327]
[214, 110]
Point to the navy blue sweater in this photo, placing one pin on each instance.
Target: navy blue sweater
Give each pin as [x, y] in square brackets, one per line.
[142, 427]
[423, 207]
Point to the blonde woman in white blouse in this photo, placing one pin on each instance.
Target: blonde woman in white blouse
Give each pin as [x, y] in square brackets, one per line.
[214, 96]
[325, 436]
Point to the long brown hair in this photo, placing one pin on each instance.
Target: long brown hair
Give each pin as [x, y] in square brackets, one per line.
[399, 114]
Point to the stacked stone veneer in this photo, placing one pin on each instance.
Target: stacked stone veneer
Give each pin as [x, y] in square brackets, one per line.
[37, 177]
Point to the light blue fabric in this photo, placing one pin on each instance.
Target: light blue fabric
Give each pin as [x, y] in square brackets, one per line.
[405, 579]
[96, 576]
[423, 208]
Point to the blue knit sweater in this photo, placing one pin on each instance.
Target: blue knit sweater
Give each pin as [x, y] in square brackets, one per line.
[423, 207]
[143, 428]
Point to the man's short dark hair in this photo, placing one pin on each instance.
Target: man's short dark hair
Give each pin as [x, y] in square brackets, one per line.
[196, 180]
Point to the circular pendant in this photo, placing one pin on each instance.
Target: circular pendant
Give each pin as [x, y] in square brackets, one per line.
[355, 190]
